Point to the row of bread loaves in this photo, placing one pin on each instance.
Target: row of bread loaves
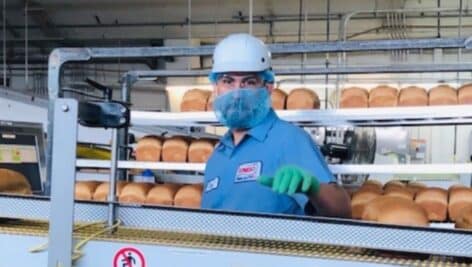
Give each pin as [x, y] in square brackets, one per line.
[142, 193]
[387, 96]
[298, 98]
[438, 204]
[174, 149]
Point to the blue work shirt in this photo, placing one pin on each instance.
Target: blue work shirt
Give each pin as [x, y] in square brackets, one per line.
[231, 172]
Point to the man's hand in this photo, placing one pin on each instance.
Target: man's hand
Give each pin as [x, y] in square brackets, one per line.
[290, 180]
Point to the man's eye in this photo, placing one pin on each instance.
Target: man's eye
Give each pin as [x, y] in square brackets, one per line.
[227, 81]
[251, 82]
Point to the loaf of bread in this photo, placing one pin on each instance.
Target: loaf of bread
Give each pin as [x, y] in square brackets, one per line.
[383, 96]
[101, 193]
[200, 150]
[464, 220]
[278, 99]
[442, 95]
[464, 95]
[162, 194]
[394, 184]
[303, 98]
[195, 100]
[149, 149]
[14, 182]
[354, 97]
[189, 196]
[458, 200]
[399, 192]
[413, 96]
[134, 193]
[175, 149]
[360, 199]
[395, 210]
[372, 185]
[434, 202]
[209, 106]
[84, 190]
[455, 187]
[414, 187]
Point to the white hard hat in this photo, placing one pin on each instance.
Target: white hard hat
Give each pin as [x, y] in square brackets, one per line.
[241, 52]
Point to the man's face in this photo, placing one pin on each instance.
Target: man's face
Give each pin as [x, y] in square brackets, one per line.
[234, 81]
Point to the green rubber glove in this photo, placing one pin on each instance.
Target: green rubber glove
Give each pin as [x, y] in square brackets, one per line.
[290, 180]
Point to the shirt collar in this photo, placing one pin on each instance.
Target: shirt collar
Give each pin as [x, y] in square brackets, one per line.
[258, 132]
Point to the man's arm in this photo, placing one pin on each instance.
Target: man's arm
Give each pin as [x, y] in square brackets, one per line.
[332, 201]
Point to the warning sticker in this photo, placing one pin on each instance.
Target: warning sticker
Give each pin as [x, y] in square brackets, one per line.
[17, 154]
[129, 257]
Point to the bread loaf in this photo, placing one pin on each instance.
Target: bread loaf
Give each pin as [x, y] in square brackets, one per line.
[84, 189]
[189, 196]
[195, 100]
[175, 149]
[14, 182]
[395, 210]
[399, 192]
[354, 97]
[458, 200]
[464, 220]
[134, 193]
[303, 98]
[209, 106]
[394, 184]
[414, 187]
[465, 94]
[360, 199]
[149, 149]
[455, 187]
[413, 96]
[442, 95]
[200, 150]
[372, 184]
[101, 193]
[278, 98]
[434, 202]
[162, 194]
[383, 96]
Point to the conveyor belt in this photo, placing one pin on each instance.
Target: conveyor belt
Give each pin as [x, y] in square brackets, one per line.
[128, 235]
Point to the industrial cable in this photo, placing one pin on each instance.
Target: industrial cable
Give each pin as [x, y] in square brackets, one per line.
[77, 253]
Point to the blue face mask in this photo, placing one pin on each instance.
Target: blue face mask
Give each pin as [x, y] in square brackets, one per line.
[242, 108]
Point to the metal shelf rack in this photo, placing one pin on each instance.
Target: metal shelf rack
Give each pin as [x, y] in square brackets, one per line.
[60, 211]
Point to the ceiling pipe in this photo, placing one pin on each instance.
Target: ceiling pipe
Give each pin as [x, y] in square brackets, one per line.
[257, 19]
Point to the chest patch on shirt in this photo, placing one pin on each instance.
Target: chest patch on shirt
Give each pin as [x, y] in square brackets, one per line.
[248, 172]
[213, 184]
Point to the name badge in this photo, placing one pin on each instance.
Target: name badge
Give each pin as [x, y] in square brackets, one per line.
[212, 184]
[248, 172]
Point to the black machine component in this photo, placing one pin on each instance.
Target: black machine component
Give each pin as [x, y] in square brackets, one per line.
[105, 113]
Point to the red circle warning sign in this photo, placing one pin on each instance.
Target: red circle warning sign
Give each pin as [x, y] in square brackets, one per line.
[129, 257]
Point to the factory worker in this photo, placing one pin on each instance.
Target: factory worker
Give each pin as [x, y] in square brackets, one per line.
[262, 164]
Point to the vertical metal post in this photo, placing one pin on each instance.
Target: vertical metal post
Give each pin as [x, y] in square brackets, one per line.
[127, 82]
[61, 218]
[54, 80]
[26, 46]
[250, 15]
[4, 43]
[113, 176]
